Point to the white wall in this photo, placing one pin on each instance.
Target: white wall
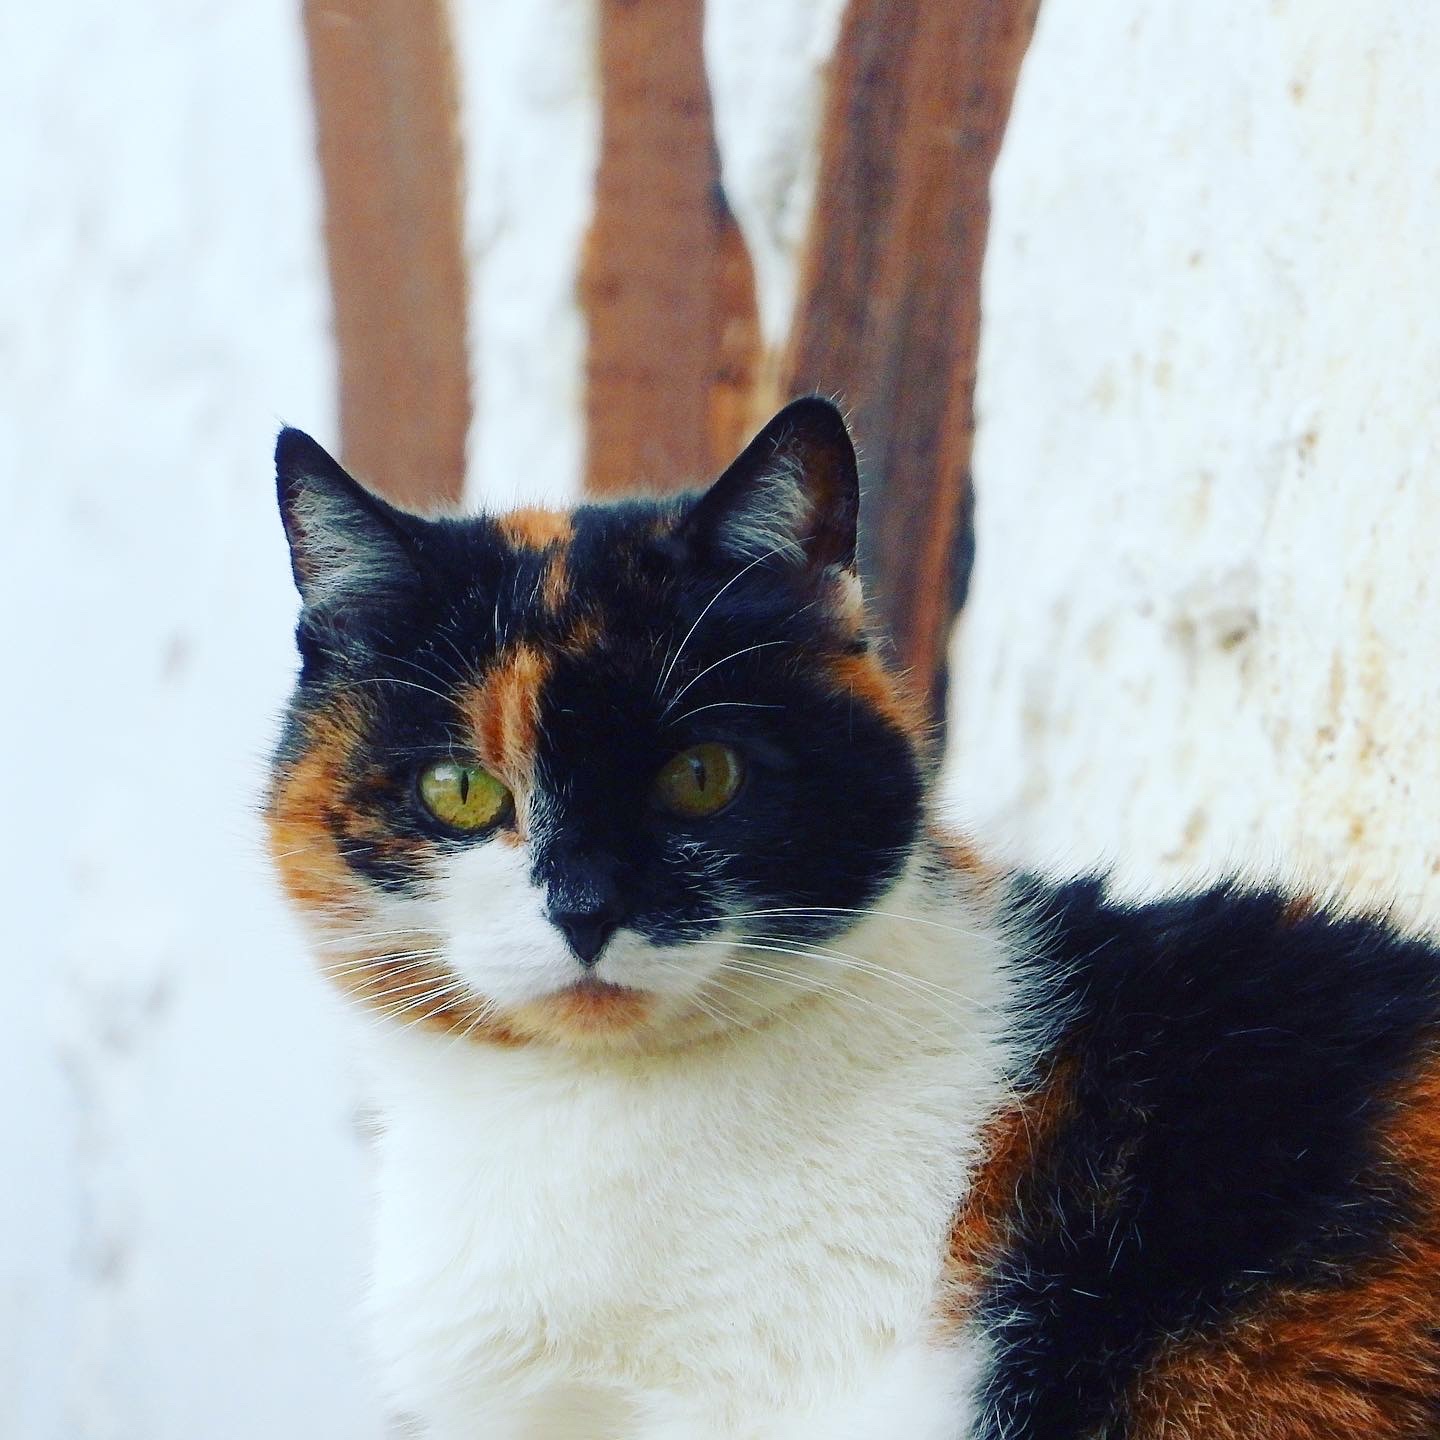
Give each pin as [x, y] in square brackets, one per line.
[179, 1221]
[1204, 624]
[1200, 625]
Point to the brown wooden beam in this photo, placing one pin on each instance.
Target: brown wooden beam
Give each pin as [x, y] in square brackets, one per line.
[889, 310]
[387, 129]
[667, 281]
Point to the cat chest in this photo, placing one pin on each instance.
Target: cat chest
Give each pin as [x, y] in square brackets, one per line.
[669, 1239]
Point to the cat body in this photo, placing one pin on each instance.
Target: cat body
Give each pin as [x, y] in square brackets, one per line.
[721, 1096]
[588, 1246]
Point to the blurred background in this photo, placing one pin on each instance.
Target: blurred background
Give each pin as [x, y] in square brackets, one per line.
[1134, 305]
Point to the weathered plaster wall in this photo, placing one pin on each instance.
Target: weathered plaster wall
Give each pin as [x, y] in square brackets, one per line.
[1204, 622]
[180, 1215]
[1200, 626]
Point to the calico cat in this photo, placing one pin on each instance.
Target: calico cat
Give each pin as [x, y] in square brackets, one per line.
[723, 1097]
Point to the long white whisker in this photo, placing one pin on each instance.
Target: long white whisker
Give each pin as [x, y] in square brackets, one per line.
[721, 705]
[920, 986]
[758, 967]
[392, 680]
[739, 574]
[695, 679]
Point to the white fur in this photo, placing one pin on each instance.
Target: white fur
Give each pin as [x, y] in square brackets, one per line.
[773, 517]
[742, 1239]
[342, 555]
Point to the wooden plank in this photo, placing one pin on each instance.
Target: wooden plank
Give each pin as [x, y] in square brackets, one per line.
[387, 129]
[667, 281]
[889, 309]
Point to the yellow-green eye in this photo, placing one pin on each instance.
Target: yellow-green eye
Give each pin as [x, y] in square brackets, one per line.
[464, 797]
[699, 781]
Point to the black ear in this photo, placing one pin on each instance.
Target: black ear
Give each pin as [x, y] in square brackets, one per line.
[793, 494]
[347, 546]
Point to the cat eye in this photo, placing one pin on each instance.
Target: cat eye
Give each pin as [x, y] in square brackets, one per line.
[464, 797]
[699, 781]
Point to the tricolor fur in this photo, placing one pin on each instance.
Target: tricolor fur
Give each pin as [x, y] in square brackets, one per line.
[840, 1132]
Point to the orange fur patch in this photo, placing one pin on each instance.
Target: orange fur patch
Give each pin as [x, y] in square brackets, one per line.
[302, 804]
[965, 859]
[534, 528]
[590, 1010]
[503, 711]
[397, 981]
[1357, 1360]
[1011, 1142]
[555, 583]
[865, 678]
[1298, 908]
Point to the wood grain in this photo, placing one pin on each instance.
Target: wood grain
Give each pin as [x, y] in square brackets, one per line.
[667, 283]
[387, 130]
[889, 311]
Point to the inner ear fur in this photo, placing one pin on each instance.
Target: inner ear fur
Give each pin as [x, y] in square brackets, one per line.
[347, 546]
[793, 494]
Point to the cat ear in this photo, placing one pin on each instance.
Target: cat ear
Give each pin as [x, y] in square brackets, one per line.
[794, 494]
[348, 548]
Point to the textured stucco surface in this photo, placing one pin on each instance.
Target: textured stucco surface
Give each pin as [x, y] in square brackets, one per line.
[531, 124]
[1204, 622]
[180, 1220]
[1200, 628]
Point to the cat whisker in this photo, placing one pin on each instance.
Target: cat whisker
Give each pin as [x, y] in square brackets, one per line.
[853, 910]
[485, 1011]
[395, 680]
[916, 984]
[802, 911]
[723, 704]
[428, 997]
[715, 1010]
[838, 992]
[365, 937]
[695, 679]
[714, 599]
[418, 959]
[415, 969]
[454, 678]
[949, 1002]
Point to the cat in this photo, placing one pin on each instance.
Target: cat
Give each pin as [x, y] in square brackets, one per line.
[723, 1096]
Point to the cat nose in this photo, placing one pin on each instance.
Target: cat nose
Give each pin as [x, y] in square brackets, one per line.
[587, 930]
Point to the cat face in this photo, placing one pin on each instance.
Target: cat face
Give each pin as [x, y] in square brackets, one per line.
[608, 777]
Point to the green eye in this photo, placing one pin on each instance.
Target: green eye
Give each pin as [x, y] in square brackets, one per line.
[464, 797]
[699, 781]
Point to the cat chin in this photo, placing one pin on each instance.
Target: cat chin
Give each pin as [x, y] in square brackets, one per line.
[589, 1012]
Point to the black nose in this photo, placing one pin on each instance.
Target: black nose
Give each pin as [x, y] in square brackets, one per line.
[587, 930]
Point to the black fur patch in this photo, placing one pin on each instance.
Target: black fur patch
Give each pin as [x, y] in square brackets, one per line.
[1228, 1066]
[663, 637]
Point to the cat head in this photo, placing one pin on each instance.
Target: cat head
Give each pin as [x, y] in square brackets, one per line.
[614, 776]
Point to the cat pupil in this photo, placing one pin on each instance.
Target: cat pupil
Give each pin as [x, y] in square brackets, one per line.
[697, 769]
[464, 787]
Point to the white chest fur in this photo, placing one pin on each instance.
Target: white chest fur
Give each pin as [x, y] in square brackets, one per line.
[740, 1242]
